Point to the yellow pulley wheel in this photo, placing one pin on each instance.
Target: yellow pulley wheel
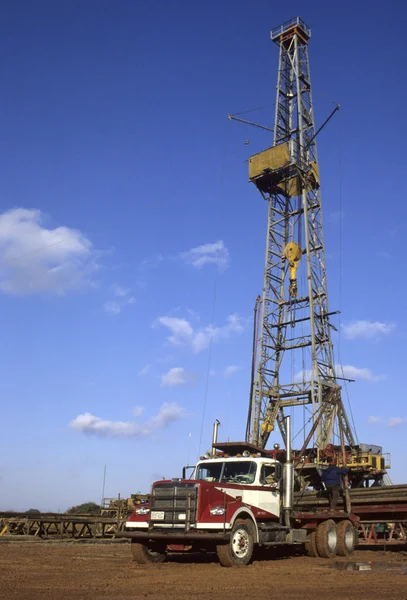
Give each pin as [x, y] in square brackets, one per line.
[292, 252]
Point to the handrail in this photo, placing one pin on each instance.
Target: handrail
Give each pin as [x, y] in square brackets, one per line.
[277, 31]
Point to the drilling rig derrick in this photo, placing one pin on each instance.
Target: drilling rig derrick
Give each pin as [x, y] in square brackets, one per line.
[293, 314]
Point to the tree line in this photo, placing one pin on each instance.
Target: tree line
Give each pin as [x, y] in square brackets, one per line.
[86, 508]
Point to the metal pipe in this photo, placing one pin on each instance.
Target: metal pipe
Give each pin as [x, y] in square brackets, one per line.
[337, 107]
[215, 436]
[250, 123]
[253, 373]
[345, 479]
[170, 537]
[288, 476]
[288, 443]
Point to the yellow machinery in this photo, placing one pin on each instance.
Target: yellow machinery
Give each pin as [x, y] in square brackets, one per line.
[270, 171]
[293, 253]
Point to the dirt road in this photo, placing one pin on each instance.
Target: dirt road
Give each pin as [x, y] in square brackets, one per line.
[42, 570]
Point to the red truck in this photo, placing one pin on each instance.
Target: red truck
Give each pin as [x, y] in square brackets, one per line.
[236, 500]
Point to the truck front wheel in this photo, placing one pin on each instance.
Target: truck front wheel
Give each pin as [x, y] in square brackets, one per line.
[238, 552]
[144, 555]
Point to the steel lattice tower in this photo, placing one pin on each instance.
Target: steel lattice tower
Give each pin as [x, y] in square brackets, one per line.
[293, 318]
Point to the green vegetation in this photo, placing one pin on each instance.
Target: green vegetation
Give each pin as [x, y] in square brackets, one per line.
[87, 508]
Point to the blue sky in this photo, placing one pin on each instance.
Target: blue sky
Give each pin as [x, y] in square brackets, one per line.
[123, 183]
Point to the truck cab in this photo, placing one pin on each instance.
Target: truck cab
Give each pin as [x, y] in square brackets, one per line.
[220, 489]
[232, 503]
[255, 481]
[201, 512]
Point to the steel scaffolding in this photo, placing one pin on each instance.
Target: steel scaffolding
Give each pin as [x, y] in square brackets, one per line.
[294, 318]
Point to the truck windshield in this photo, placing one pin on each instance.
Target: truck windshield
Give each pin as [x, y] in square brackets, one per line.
[227, 472]
[209, 471]
[239, 472]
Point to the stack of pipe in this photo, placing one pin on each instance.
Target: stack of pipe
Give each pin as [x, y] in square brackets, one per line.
[386, 495]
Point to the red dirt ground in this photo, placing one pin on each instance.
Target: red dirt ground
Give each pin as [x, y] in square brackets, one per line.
[44, 570]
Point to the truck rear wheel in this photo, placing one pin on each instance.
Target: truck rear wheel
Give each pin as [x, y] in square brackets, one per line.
[238, 552]
[346, 538]
[144, 555]
[327, 539]
[311, 545]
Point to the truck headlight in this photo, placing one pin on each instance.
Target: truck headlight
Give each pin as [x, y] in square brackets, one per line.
[142, 510]
[217, 511]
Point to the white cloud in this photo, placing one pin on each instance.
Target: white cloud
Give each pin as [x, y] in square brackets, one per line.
[175, 376]
[119, 291]
[123, 298]
[396, 421]
[93, 425]
[391, 422]
[88, 423]
[34, 259]
[351, 372]
[181, 330]
[366, 329]
[168, 413]
[206, 254]
[303, 375]
[138, 411]
[346, 371]
[183, 334]
[152, 261]
[144, 371]
[230, 370]
[112, 307]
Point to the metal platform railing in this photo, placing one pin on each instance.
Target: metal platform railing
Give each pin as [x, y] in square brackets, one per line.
[296, 22]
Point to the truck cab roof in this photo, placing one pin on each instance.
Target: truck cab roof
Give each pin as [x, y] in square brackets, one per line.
[260, 460]
[236, 448]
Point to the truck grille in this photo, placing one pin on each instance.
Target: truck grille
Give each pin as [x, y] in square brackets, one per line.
[177, 502]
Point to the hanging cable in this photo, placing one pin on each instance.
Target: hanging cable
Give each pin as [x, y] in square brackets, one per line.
[215, 290]
[340, 274]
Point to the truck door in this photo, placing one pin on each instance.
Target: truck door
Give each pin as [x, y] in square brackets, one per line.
[269, 495]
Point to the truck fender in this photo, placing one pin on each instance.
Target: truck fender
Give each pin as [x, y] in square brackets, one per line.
[245, 512]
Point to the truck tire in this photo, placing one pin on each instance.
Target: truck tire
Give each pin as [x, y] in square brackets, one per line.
[327, 539]
[311, 545]
[238, 552]
[346, 538]
[144, 556]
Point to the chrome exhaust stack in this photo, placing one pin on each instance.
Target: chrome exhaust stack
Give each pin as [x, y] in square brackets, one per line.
[215, 436]
[288, 488]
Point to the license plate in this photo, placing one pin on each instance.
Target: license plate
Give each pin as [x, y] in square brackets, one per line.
[157, 515]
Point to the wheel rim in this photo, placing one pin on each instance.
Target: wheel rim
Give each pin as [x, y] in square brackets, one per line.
[349, 539]
[240, 543]
[332, 540]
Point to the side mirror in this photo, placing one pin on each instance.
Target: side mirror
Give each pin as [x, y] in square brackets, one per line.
[184, 471]
[279, 471]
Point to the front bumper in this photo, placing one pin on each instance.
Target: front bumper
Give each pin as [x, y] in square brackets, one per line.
[171, 536]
